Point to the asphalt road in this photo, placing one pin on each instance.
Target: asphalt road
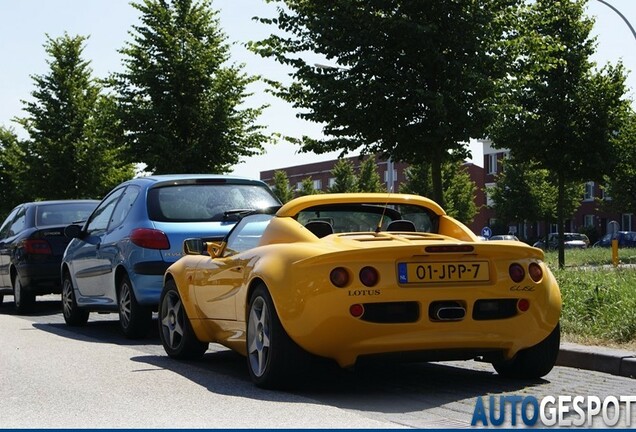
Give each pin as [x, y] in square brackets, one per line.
[54, 376]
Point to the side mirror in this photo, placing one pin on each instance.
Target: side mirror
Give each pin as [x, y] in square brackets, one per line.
[194, 246]
[73, 231]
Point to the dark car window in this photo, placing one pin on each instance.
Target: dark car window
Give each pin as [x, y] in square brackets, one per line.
[123, 207]
[101, 216]
[62, 214]
[18, 223]
[6, 225]
[205, 202]
[247, 234]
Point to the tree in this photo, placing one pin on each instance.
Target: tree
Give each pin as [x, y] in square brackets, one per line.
[307, 187]
[556, 109]
[459, 189]
[344, 177]
[281, 187]
[621, 183]
[368, 177]
[71, 151]
[12, 172]
[405, 84]
[180, 104]
[525, 192]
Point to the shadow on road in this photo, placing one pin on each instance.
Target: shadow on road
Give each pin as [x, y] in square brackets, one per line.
[104, 331]
[387, 389]
[47, 305]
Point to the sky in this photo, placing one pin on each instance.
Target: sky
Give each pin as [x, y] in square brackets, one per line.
[25, 24]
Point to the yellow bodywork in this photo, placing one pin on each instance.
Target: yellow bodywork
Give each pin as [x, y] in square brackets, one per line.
[295, 265]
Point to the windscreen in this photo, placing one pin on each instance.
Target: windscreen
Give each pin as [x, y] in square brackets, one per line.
[206, 202]
[63, 213]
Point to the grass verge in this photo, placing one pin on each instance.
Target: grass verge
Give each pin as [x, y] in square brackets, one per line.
[599, 300]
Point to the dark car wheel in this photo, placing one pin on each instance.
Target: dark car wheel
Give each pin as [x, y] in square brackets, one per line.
[23, 299]
[1, 299]
[73, 315]
[534, 362]
[273, 359]
[175, 331]
[134, 319]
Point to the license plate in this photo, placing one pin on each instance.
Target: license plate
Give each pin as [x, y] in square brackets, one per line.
[436, 272]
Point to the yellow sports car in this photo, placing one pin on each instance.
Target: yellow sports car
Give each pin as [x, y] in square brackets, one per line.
[354, 276]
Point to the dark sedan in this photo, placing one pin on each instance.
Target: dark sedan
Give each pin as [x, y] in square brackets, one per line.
[32, 243]
[625, 239]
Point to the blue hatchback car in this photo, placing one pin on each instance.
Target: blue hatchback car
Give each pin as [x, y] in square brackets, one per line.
[115, 262]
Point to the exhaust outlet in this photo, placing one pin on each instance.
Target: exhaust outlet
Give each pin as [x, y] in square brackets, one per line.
[447, 311]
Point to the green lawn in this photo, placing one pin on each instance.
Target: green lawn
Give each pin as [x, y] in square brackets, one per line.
[599, 301]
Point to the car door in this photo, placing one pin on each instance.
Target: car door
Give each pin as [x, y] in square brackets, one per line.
[218, 280]
[6, 232]
[92, 269]
[11, 228]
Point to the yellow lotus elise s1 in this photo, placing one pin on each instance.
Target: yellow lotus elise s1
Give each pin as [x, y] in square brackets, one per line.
[355, 276]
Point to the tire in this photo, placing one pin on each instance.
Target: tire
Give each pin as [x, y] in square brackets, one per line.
[1, 299]
[135, 320]
[534, 362]
[175, 331]
[273, 359]
[22, 299]
[73, 314]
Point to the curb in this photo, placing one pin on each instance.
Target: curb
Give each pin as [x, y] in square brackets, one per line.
[608, 360]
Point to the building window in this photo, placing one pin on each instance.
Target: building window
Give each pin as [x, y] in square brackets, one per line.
[588, 221]
[318, 184]
[299, 186]
[627, 221]
[491, 163]
[332, 181]
[589, 191]
[605, 194]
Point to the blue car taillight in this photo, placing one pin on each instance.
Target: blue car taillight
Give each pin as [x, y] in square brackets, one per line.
[150, 238]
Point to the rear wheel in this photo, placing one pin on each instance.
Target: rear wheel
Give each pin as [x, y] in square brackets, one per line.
[73, 315]
[134, 319]
[23, 299]
[534, 362]
[175, 331]
[273, 359]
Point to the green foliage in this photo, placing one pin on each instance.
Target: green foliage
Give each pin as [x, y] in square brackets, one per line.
[621, 182]
[72, 150]
[459, 189]
[281, 187]
[307, 187]
[368, 177]
[182, 108]
[12, 171]
[345, 179]
[555, 108]
[526, 192]
[406, 83]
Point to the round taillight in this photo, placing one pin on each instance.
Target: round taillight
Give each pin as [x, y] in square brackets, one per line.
[339, 277]
[356, 310]
[535, 272]
[369, 276]
[523, 305]
[517, 273]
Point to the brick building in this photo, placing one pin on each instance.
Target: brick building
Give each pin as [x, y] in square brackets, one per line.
[588, 215]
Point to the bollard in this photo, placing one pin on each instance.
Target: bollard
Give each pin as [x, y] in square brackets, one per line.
[615, 252]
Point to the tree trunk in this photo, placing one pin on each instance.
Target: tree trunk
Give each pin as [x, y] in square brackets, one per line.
[560, 219]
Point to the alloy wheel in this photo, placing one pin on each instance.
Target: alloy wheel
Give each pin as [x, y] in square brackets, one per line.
[259, 332]
[172, 319]
[125, 305]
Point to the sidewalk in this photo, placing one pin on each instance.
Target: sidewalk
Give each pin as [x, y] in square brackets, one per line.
[601, 359]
